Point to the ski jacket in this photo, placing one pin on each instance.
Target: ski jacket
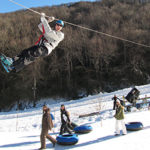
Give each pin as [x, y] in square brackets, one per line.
[47, 123]
[65, 116]
[119, 113]
[52, 37]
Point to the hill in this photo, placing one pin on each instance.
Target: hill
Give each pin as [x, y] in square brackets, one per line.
[84, 63]
[21, 129]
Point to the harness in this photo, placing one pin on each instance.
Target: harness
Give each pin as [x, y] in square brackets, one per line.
[41, 39]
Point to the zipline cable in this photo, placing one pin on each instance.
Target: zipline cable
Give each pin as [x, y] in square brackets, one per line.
[85, 28]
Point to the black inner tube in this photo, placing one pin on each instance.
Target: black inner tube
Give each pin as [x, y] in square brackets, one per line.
[67, 135]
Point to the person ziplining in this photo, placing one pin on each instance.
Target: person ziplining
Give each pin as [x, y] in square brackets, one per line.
[47, 42]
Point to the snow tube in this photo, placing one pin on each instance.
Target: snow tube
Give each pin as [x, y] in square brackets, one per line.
[83, 129]
[67, 139]
[52, 116]
[73, 125]
[133, 95]
[134, 126]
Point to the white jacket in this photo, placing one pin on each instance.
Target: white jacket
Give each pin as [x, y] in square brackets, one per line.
[53, 37]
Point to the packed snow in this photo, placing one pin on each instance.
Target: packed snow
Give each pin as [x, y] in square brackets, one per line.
[20, 130]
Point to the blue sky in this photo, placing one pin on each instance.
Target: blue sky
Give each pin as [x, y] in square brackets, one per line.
[7, 6]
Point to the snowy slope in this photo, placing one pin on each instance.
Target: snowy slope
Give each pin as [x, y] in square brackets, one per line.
[21, 130]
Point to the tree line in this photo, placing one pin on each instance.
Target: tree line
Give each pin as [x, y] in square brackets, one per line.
[84, 62]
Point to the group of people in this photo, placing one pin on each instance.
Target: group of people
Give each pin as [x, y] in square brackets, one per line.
[118, 106]
[43, 47]
[67, 126]
[47, 124]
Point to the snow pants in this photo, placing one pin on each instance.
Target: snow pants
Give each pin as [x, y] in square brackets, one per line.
[64, 128]
[114, 105]
[44, 135]
[28, 56]
[122, 124]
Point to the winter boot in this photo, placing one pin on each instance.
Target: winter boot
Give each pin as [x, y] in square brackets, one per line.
[7, 61]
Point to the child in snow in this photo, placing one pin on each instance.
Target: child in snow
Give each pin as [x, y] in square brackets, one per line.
[120, 118]
[44, 46]
[65, 120]
[47, 124]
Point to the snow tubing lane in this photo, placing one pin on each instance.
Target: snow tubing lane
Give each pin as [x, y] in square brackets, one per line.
[67, 139]
[134, 126]
[83, 129]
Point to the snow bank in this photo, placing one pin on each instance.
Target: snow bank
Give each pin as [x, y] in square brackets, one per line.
[20, 130]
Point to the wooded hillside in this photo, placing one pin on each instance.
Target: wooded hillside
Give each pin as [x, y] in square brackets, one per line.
[84, 62]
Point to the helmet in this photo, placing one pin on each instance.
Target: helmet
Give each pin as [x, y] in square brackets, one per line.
[60, 22]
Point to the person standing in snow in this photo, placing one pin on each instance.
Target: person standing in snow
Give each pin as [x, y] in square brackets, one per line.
[65, 120]
[43, 47]
[120, 118]
[47, 125]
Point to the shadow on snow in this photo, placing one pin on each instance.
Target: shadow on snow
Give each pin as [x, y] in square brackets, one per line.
[101, 139]
[19, 144]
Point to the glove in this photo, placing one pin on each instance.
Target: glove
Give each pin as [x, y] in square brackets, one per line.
[50, 19]
[43, 14]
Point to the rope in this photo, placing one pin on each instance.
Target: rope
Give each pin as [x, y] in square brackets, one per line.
[85, 28]
[119, 38]
[24, 7]
[29, 8]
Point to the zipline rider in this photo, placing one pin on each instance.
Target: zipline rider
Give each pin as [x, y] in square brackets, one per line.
[43, 47]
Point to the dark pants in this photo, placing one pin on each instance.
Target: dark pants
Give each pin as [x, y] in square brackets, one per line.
[28, 56]
[64, 128]
[114, 106]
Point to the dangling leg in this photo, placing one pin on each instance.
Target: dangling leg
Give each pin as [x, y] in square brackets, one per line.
[28, 56]
[19, 60]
